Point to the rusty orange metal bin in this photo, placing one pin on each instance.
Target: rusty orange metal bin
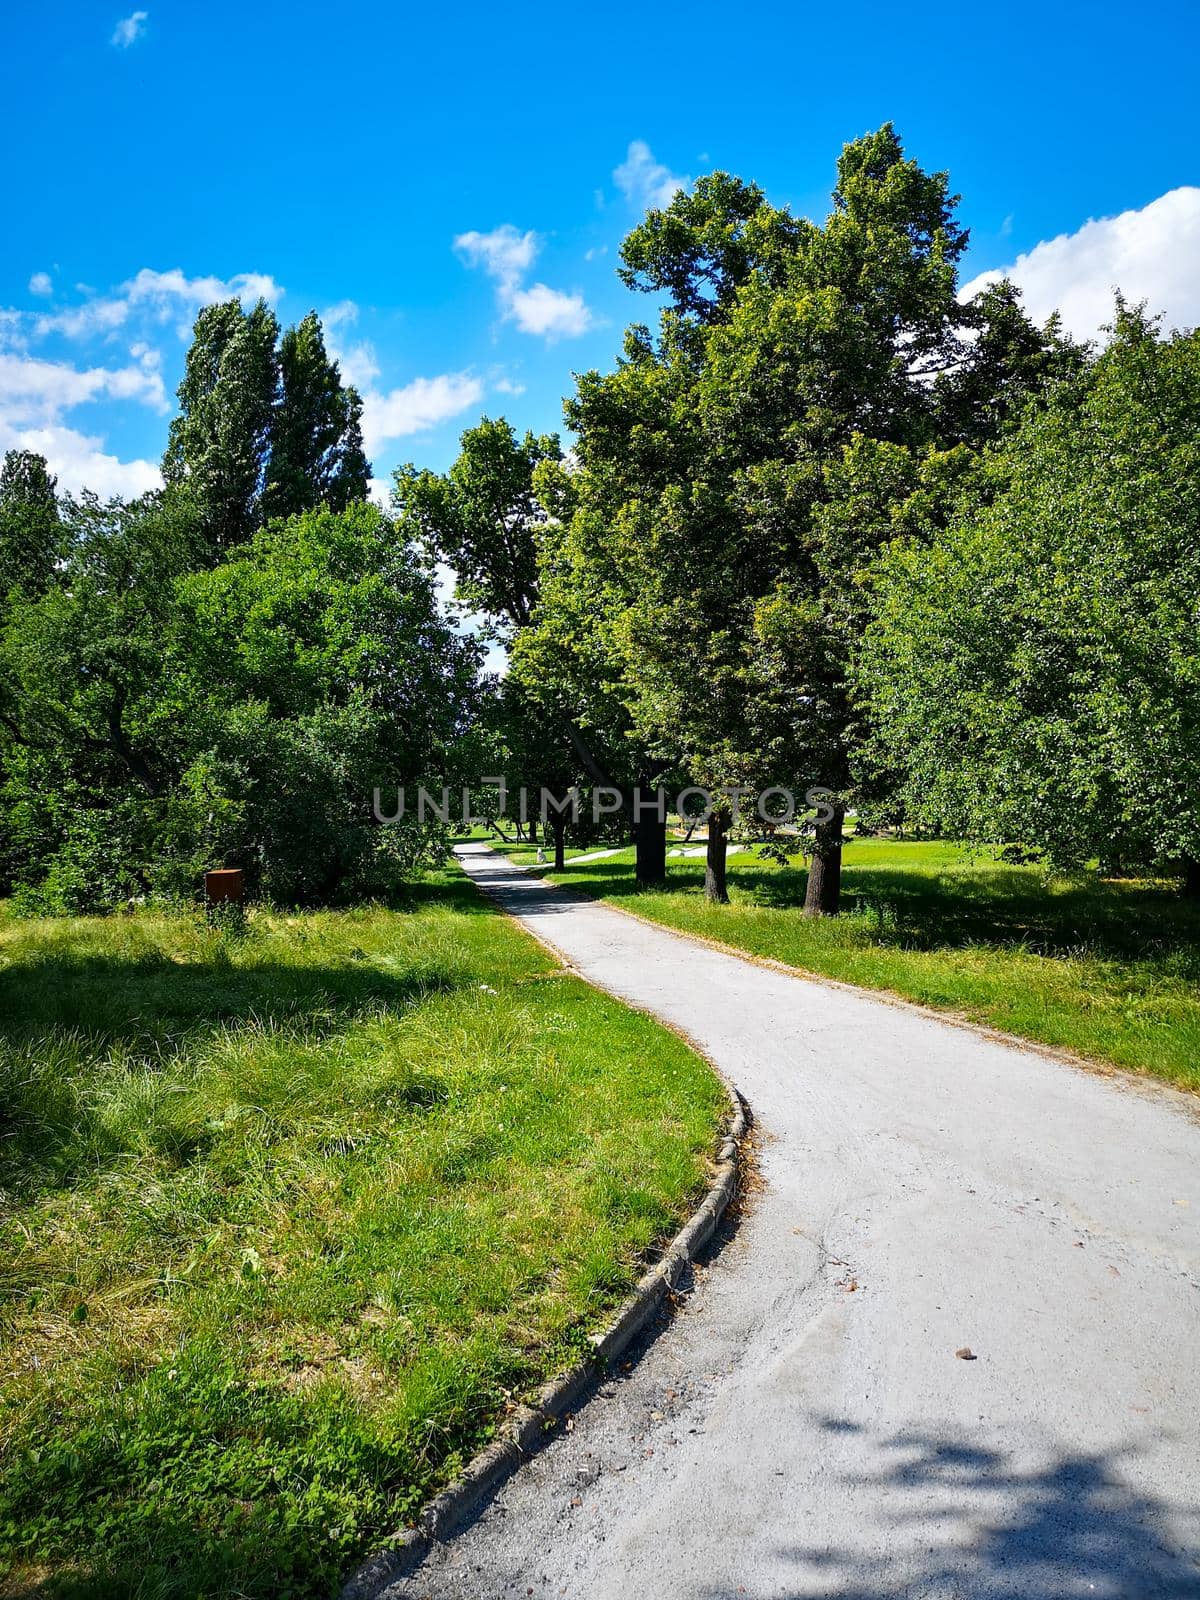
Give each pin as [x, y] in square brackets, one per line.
[225, 885]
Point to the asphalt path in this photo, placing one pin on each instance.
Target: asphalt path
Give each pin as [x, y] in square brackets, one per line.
[952, 1350]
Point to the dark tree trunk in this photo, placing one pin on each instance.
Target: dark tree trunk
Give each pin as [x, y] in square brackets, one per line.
[1191, 878]
[558, 827]
[650, 838]
[823, 895]
[714, 861]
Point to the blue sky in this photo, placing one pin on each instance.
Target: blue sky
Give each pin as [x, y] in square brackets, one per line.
[332, 157]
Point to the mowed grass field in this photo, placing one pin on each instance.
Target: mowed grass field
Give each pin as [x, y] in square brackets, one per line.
[289, 1220]
[1109, 969]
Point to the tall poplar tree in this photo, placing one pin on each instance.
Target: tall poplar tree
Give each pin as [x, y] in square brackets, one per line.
[218, 445]
[316, 446]
[31, 532]
[266, 427]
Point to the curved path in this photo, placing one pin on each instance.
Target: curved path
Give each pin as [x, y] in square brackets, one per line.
[805, 1427]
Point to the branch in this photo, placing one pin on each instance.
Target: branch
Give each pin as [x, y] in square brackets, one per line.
[583, 750]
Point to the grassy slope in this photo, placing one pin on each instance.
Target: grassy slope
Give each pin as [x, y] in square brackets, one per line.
[286, 1222]
[1108, 969]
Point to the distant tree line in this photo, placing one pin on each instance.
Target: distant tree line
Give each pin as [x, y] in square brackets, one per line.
[825, 524]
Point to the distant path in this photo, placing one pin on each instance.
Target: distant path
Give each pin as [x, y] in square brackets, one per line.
[804, 1427]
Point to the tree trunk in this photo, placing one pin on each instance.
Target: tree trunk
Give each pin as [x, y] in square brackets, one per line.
[823, 895]
[714, 861]
[558, 827]
[650, 837]
[1191, 878]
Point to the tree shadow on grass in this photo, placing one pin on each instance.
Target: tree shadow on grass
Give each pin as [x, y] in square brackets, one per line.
[72, 1022]
[923, 909]
[152, 1003]
[154, 999]
[454, 892]
[1075, 1527]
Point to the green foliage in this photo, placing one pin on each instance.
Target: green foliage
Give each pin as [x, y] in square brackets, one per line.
[483, 517]
[697, 564]
[316, 455]
[812, 393]
[95, 736]
[1033, 667]
[1008, 362]
[705, 245]
[262, 431]
[166, 716]
[30, 528]
[219, 443]
[324, 640]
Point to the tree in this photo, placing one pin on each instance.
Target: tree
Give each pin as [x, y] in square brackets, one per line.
[483, 518]
[524, 746]
[316, 453]
[166, 714]
[319, 669]
[710, 452]
[1033, 665]
[262, 432]
[219, 443]
[486, 520]
[31, 533]
[706, 244]
[95, 735]
[1004, 362]
[811, 392]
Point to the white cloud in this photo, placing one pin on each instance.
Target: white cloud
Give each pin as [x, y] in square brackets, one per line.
[506, 254]
[380, 491]
[34, 395]
[36, 392]
[550, 312]
[130, 29]
[160, 296]
[507, 386]
[417, 406]
[645, 182]
[358, 362]
[41, 284]
[1150, 255]
[163, 287]
[78, 461]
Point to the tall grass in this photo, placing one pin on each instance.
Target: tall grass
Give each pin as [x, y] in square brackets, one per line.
[289, 1220]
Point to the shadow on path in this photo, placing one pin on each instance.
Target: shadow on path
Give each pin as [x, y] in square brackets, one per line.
[1075, 1528]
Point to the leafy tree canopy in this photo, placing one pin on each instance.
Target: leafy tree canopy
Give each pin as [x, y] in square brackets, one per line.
[483, 518]
[721, 576]
[1033, 667]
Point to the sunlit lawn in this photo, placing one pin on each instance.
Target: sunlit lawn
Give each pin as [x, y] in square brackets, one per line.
[1109, 969]
[287, 1221]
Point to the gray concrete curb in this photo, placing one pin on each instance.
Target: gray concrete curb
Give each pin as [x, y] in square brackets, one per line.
[530, 1427]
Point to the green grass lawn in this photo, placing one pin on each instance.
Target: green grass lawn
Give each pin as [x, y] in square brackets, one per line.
[289, 1220]
[1108, 969]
